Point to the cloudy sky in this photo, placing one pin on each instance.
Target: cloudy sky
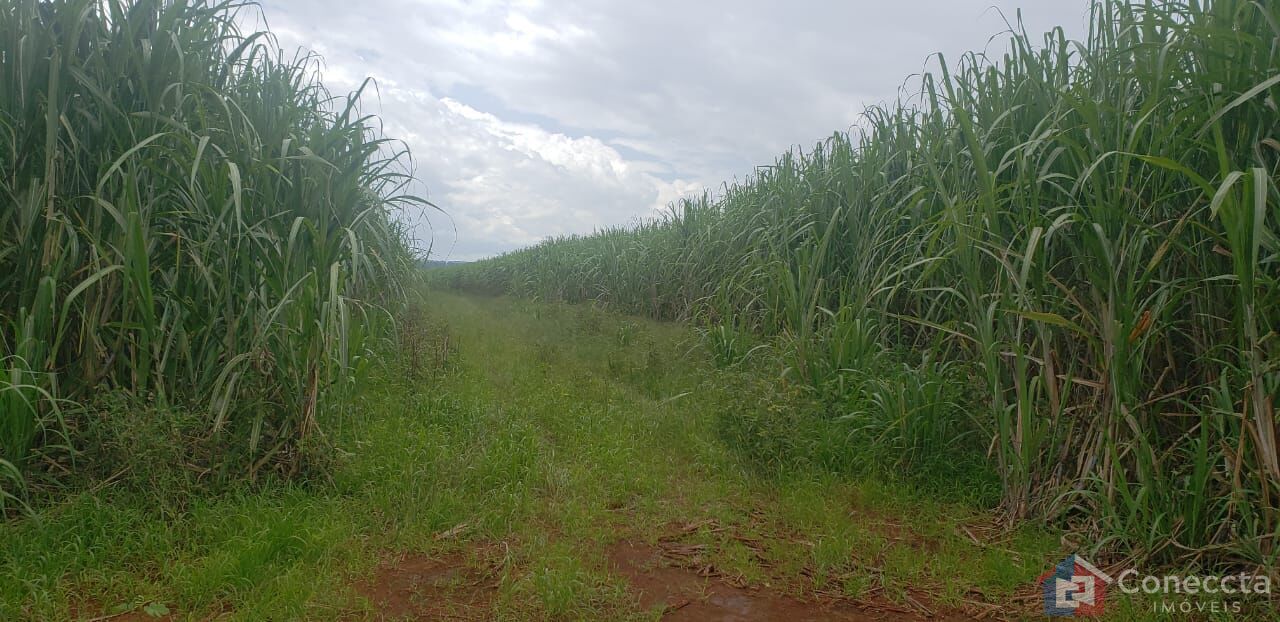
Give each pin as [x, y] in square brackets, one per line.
[533, 118]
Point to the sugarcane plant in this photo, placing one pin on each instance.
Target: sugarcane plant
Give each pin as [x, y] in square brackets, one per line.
[189, 219]
[1083, 233]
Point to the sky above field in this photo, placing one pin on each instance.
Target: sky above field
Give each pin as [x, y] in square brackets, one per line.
[530, 119]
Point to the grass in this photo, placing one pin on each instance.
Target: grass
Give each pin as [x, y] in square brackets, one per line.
[1039, 292]
[1074, 242]
[544, 432]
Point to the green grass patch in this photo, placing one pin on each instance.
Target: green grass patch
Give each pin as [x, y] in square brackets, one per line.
[528, 469]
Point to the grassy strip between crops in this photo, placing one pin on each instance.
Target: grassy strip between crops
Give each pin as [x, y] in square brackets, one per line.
[527, 439]
[1060, 259]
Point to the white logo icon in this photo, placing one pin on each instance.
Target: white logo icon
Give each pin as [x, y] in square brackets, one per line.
[1079, 590]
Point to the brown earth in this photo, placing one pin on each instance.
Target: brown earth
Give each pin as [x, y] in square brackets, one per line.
[685, 594]
[417, 587]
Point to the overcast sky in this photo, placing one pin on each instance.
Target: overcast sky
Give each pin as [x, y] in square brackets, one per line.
[532, 118]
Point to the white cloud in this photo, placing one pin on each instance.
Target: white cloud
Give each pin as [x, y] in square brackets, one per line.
[509, 184]
[530, 118]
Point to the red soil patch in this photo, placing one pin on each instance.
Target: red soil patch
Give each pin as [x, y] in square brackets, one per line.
[417, 587]
[698, 595]
[85, 611]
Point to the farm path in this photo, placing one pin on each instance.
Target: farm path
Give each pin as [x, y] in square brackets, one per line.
[581, 473]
